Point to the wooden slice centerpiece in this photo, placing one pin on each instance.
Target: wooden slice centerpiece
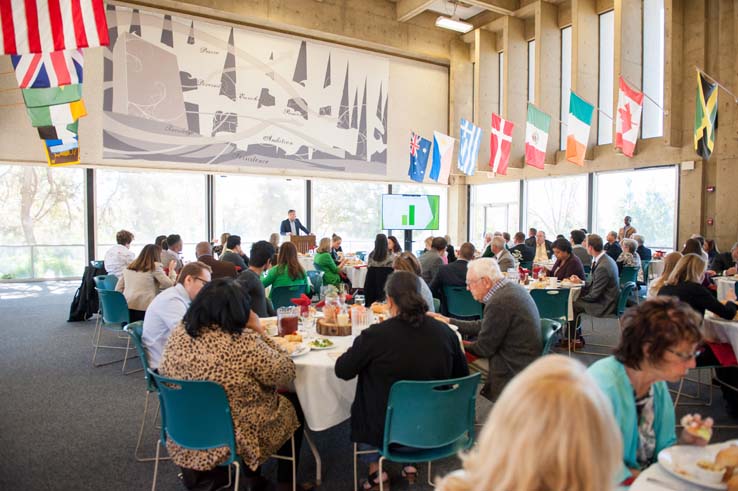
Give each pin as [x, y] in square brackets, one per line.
[326, 328]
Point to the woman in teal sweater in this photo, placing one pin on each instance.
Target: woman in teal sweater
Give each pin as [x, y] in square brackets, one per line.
[658, 344]
[288, 271]
[324, 262]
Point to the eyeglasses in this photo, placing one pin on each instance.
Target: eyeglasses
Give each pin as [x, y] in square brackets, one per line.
[204, 282]
[685, 356]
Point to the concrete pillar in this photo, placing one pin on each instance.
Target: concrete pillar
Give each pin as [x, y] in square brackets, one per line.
[674, 61]
[515, 80]
[548, 72]
[486, 88]
[628, 48]
[584, 59]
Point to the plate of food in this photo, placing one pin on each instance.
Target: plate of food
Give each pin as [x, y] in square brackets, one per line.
[711, 467]
[292, 344]
[302, 349]
[321, 344]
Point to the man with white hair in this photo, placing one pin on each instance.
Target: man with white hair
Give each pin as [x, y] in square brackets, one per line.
[504, 259]
[508, 337]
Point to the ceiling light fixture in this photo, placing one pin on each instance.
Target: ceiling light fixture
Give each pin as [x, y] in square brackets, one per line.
[453, 23]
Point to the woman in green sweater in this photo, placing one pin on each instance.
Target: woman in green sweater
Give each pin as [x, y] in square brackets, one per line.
[324, 262]
[288, 271]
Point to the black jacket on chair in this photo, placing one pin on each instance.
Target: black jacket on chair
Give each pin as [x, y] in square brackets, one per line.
[376, 277]
[453, 274]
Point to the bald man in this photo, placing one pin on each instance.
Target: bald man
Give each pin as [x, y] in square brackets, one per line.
[221, 269]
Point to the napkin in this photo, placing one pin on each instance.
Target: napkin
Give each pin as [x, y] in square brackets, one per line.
[304, 302]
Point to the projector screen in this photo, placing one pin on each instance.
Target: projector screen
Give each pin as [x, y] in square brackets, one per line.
[410, 212]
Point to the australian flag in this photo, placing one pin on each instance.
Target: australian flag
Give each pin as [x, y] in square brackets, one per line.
[419, 152]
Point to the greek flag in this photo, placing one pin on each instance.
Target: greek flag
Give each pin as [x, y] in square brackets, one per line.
[469, 147]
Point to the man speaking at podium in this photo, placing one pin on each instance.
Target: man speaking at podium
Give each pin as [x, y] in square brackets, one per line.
[292, 225]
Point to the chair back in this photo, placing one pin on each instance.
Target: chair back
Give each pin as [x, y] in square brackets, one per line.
[431, 414]
[135, 331]
[317, 267]
[105, 281]
[645, 266]
[114, 308]
[587, 268]
[527, 265]
[376, 277]
[195, 414]
[436, 305]
[628, 274]
[552, 304]
[625, 292]
[549, 328]
[97, 264]
[316, 279]
[361, 255]
[460, 303]
[282, 295]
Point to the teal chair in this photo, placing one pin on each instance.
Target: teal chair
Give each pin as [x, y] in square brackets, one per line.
[282, 295]
[436, 305]
[361, 255]
[135, 331]
[105, 281]
[195, 414]
[460, 303]
[626, 291]
[552, 304]
[114, 318]
[549, 329]
[628, 274]
[97, 264]
[435, 418]
[646, 268]
[316, 279]
[527, 265]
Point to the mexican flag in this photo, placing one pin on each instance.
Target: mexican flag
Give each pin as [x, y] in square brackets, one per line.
[536, 136]
[577, 129]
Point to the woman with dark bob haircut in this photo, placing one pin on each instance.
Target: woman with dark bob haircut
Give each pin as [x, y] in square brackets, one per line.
[658, 344]
[380, 357]
[221, 339]
[567, 264]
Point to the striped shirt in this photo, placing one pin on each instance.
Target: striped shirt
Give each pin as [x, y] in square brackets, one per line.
[494, 289]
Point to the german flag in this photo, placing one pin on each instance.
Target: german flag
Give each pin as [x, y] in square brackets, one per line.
[705, 117]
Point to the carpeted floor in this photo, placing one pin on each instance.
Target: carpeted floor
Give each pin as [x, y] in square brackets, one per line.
[66, 425]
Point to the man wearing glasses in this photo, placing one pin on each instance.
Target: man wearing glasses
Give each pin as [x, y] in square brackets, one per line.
[168, 308]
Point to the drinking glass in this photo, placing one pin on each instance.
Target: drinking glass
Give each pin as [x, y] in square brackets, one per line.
[360, 300]
[287, 320]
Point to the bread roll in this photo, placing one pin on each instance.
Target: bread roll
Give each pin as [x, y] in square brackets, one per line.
[728, 458]
[733, 483]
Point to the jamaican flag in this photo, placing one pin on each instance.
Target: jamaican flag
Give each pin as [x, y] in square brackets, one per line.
[705, 117]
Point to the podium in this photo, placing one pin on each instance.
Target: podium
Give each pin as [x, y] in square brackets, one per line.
[303, 242]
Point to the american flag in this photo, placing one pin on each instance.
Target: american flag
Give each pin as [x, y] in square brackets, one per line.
[414, 144]
[43, 26]
[55, 69]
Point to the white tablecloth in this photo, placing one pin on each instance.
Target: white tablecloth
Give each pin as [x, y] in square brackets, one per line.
[724, 285]
[656, 478]
[357, 276]
[325, 399]
[716, 329]
[574, 292]
[656, 268]
[306, 262]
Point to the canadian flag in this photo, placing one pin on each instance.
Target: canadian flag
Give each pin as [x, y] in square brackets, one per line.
[500, 143]
[628, 122]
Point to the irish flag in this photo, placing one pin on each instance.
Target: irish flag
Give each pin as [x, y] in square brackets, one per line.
[536, 136]
[577, 129]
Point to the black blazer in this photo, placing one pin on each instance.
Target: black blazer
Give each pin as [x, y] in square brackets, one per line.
[722, 261]
[380, 357]
[613, 250]
[526, 252]
[699, 298]
[453, 274]
[531, 242]
[376, 277]
[285, 228]
[450, 254]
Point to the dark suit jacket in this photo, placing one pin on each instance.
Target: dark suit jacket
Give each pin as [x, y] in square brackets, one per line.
[235, 259]
[599, 296]
[221, 269]
[644, 253]
[531, 242]
[450, 254]
[526, 252]
[722, 261]
[613, 250]
[285, 228]
[453, 274]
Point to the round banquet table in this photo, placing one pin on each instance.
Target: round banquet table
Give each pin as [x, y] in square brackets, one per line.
[357, 276]
[306, 262]
[656, 268]
[724, 285]
[656, 478]
[721, 330]
[574, 292]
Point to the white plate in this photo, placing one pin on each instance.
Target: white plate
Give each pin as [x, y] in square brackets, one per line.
[302, 350]
[321, 348]
[681, 461]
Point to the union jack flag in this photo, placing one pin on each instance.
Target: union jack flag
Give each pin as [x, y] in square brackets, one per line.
[55, 69]
[419, 151]
[414, 144]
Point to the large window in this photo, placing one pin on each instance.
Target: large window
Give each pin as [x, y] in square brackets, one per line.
[254, 207]
[532, 71]
[649, 196]
[653, 68]
[565, 81]
[149, 204]
[557, 205]
[42, 229]
[494, 208]
[349, 209]
[606, 77]
[501, 82]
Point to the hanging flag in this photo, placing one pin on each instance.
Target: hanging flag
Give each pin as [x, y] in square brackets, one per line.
[39, 70]
[468, 147]
[500, 143]
[419, 152]
[58, 146]
[705, 117]
[52, 96]
[64, 157]
[577, 129]
[536, 136]
[628, 121]
[443, 150]
[43, 26]
[57, 115]
[64, 133]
